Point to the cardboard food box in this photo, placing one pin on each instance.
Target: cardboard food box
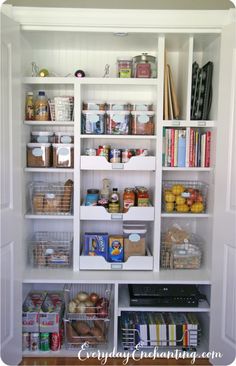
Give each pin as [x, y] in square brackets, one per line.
[31, 309]
[134, 240]
[116, 248]
[96, 244]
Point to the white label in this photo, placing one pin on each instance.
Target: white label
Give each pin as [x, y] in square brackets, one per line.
[37, 151]
[93, 118]
[42, 139]
[134, 237]
[141, 107]
[118, 118]
[66, 139]
[63, 151]
[143, 118]
[93, 106]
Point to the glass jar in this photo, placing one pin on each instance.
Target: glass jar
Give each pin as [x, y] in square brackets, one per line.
[128, 199]
[41, 107]
[145, 66]
[29, 107]
[91, 197]
[124, 68]
[142, 197]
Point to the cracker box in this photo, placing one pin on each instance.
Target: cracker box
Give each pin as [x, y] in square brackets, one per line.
[116, 248]
[96, 244]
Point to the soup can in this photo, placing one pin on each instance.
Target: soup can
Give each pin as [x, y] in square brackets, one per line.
[34, 342]
[103, 151]
[115, 156]
[89, 151]
[127, 154]
[142, 152]
[25, 341]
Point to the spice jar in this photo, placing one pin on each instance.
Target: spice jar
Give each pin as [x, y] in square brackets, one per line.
[128, 199]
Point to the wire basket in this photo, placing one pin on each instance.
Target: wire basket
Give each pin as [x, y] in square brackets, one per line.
[181, 196]
[62, 108]
[51, 249]
[92, 332]
[51, 198]
[185, 255]
[93, 304]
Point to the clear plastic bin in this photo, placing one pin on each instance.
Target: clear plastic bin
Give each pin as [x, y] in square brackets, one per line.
[118, 122]
[93, 122]
[94, 105]
[64, 137]
[118, 106]
[63, 155]
[42, 137]
[38, 155]
[142, 123]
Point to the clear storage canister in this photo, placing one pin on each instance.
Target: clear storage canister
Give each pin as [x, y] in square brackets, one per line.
[94, 105]
[38, 155]
[63, 155]
[141, 106]
[63, 137]
[93, 122]
[142, 123]
[42, 136]
[118, 122]
[118, 106]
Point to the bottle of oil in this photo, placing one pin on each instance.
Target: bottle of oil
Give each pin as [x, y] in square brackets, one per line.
[114, 201]
[29, 107]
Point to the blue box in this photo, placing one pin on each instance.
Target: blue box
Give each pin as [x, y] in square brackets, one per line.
[96, 244]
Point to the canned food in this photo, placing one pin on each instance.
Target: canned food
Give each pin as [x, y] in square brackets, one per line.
[142, 152]
[44, 342]
[127, 154]
[55, 342]
[25, 341]
[115, 156]
[103, 151]
[89, 151]
[34, 342]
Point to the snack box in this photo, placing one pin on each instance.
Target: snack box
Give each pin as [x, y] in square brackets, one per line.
[96, 244]
[116, 248]
[31, 309]
[51, 312]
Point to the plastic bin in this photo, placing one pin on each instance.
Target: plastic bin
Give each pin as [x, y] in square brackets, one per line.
[38, 155]
[118, 122]
[142, 123]
[63, 155]
[93, 122]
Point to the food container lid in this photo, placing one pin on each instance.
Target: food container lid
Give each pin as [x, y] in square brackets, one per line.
[35, 144]
[62, 133]
[41, 133]
[118, 112]
[62, 145]
[94, 102]
[135, 231]
[149, 113]
[144, 57]
[93, 112]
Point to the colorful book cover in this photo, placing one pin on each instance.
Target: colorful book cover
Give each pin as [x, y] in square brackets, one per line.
[191, 143]
[176, 147]
[193, 327]
[168, 130]
[203, 150]
[152, 329]
[181, 148]
[172, 151]
[164, 157]
[196, 148]
[208, 149]
[179, 320]
[187, 147]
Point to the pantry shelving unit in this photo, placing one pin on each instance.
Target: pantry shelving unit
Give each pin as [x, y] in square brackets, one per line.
[65, 43]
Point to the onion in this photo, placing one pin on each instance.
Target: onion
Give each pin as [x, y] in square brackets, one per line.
[81, 308]
[94, 297]
[82, 296]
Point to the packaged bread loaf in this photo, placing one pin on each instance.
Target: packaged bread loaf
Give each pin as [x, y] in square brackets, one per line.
[67, 196]
[38, 200]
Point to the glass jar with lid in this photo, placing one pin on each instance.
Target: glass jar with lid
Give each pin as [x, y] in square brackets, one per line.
[145, 66]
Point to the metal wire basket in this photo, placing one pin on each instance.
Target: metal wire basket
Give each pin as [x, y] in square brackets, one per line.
[51, 249]
[181, 196]
[51, 198]
[62, 108]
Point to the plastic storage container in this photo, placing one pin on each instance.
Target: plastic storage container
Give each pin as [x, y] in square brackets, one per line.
[141, 106]
[42, 137]
[38, 155]
[134, 240]
[142, 123]
[94, 105]
[63, 155]
[118, 106]
[41, 107]
[64, 137]
[93, 122]
[186, 256]
[118, 122]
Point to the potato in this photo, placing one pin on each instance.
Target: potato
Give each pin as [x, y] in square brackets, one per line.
[100, 324]
[98, 334]
[81, 327]
[71, 334]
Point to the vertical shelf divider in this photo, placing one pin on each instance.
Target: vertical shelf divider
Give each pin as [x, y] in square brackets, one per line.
[77, 149]
[158, 185]
[189, 85]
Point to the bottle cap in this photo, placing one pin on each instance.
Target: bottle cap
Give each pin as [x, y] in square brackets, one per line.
[30, 93]
[42, 93]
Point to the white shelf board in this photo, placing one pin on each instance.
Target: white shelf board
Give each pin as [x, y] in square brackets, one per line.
[190, 123]
[44, 275]
[185, 169]
[124, 305]
[123, 137]
[49, 217]
[49, 170]
[185, 215]
[140, 163]
[139, 263]
[49, 80]
[49, 123]
[118, 81]
[100, 213]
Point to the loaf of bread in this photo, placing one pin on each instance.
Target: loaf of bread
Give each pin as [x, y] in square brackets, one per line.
[67, 196]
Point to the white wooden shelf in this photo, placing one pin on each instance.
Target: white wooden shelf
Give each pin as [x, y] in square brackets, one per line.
[140, 163]
[100, 213]
[135, 263]
[49, 80]
[189, 123]
[185, 215]
[124, 304]
[185, 169]
[49, 217]
[123, 137]
[118, 81]
[49, 123]
[49, 170]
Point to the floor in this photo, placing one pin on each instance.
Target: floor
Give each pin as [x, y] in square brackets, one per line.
[74, 361]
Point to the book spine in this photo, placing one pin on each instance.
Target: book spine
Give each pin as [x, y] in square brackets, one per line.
[187, 147]
[181, 148]
[203, 150]
[191, 143]
[164, 147]
[172, 147]
[208, 150]
[169, 147]
[196, 147]
[176, 147]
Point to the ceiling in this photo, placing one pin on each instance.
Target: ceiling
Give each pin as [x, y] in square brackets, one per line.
[128, 4]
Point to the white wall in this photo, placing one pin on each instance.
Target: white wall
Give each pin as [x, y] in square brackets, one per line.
[128, 4]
